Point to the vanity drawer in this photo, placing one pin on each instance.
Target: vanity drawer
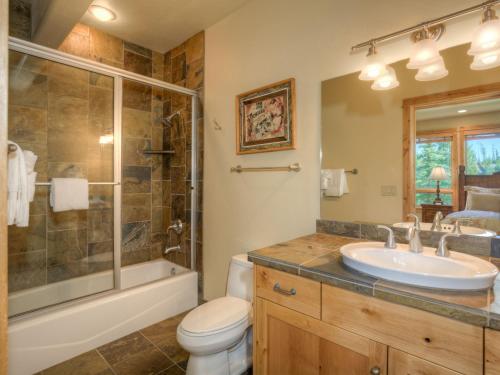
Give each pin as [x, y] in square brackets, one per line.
[295, 292]
[449, 343]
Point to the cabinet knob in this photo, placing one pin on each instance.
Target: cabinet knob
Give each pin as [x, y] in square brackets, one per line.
[375, 371]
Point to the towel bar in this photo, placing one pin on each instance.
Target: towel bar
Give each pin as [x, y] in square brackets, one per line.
[295, 167]
[90, 183]
[353, 171]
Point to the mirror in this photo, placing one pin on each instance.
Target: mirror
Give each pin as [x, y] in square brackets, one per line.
[405, 140]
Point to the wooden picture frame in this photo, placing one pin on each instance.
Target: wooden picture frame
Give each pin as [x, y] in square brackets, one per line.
[466, 95]
[265, 118]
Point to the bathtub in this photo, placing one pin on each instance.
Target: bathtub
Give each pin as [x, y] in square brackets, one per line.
[150, 292]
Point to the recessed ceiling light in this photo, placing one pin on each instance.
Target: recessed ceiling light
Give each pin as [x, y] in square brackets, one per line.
[462, 111]
[102, 13]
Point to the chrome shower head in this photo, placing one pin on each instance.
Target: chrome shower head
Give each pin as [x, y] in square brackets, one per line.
[168, 120]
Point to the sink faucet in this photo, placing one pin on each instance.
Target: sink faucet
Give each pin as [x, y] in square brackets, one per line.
[442, 249]
[436, 223]
[390, 243]
[413, 236]
[456, 227]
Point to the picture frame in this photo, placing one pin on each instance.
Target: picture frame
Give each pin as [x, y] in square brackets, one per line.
[265, 118]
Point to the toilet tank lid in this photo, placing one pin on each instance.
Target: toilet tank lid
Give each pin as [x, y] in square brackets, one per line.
[242, 260]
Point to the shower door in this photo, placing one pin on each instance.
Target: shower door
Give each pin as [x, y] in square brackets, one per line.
[65, 115]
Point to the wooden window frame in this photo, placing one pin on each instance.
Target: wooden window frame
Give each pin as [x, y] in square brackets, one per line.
[410, 106]
[455, 139]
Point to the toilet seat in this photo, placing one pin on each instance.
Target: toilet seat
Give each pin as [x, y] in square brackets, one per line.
[216, 316]
[214, 326]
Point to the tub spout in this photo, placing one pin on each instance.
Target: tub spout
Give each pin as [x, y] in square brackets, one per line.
[172, 249]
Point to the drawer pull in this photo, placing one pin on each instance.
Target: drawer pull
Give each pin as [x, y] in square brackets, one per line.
[375, 371]
[285, 292]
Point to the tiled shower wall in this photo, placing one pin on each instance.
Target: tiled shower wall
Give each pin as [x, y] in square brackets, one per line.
[156, 189]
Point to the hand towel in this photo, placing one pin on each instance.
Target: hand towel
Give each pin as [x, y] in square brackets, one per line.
[334, 182]
[17, 186]
[69, 194]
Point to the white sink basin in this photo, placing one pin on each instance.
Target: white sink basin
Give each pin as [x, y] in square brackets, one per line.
[458, 272]
[447, 228]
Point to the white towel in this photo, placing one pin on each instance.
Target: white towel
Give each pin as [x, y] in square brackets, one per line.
[334, 182]
[30, 160]
[69, 194]
[18, 208]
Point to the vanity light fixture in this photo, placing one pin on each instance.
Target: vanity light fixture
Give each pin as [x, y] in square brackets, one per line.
[485, 46]
[102, 13]
[386, 81]
[375, 66]
[425, 56]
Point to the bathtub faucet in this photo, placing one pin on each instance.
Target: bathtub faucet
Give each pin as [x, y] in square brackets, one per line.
[172, 249]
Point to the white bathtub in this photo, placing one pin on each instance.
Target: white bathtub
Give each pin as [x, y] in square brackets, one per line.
[149, 294]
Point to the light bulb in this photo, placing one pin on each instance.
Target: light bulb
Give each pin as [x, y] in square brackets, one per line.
[425, 52]
[106, 139]
[386, 81]
[486, 60]
[102, 13]
[374, 68]
[432, 71]
[486, 37]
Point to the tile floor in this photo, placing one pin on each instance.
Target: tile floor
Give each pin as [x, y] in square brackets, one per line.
[153, 350]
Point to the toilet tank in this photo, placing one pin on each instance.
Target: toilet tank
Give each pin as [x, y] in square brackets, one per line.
[240, 278]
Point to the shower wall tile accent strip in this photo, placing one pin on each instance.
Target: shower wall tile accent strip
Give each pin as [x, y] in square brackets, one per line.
[66, 103]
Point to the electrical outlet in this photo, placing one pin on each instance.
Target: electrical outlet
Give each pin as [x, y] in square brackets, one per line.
[388, 190]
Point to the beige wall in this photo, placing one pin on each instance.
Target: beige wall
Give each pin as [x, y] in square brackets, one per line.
[263, 42]
[362, 129]
[478, 119]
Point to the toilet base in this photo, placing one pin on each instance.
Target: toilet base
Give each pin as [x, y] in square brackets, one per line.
[233, 361]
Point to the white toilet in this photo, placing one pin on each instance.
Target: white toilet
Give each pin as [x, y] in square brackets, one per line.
[218, 334]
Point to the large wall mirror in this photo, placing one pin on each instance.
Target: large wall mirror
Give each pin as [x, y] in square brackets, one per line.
[419, 148]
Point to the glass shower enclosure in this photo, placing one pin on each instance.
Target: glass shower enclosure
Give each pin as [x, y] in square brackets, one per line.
[132, 138]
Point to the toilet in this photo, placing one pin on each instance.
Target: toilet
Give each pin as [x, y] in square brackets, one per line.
[218, 334]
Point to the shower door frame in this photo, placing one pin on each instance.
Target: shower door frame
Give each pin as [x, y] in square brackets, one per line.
[118, 76]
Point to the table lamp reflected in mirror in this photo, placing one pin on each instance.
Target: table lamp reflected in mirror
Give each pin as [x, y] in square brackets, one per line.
[438, 174]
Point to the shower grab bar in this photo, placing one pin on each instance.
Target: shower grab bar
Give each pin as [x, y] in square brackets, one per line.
[90, 183]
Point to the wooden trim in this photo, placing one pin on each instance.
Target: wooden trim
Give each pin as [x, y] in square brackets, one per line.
[410, 105]
[491, 352]
[293, 118]
[4, 74]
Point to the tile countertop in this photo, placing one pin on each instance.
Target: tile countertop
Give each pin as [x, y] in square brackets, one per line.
[317, 257]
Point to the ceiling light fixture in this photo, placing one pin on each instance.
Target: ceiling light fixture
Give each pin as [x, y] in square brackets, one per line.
[386, 81]
[102, 13]
[375, 66]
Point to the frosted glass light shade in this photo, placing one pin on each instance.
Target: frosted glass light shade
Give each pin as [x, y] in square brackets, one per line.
[438, 174]
[374, 68]
[386, 81]
[432, 72]
[486, 60]
[486, 38]
[424, 52]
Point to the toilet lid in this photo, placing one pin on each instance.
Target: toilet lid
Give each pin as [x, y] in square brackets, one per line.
[216, 315]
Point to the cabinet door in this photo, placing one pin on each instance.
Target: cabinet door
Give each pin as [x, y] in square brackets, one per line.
[289, 342]
[491, 352]
[404, 363]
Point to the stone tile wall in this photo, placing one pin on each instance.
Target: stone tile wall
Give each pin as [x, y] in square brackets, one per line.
[52, 104]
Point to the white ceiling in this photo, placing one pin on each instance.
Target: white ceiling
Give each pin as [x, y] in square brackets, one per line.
[161, 24]
[483, 106]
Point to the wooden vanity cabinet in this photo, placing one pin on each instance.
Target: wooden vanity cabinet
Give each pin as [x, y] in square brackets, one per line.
[292, 343]
[358, 334]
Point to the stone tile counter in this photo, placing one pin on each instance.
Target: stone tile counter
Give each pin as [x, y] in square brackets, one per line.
[317, 256]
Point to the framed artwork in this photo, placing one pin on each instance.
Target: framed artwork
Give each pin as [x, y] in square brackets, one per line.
[265, 118]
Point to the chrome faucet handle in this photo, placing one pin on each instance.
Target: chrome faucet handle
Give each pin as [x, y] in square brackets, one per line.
[417, 220]
[436, 223]
[442, 249]
[456, 228]
[391, 242]
[413, 238]
[177, 227]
